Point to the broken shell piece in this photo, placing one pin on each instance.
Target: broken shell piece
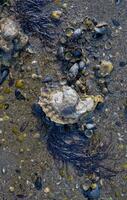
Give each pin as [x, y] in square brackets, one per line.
[5, 45]
[55, 15]
[65, 104]
[106, 68]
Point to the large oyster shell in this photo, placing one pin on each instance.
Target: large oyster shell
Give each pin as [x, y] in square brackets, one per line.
[63, 105]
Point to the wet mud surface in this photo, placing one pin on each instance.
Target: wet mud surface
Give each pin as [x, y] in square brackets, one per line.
[23, 151]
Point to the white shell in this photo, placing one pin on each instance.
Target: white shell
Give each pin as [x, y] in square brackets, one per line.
[63, 105]
[9, 28]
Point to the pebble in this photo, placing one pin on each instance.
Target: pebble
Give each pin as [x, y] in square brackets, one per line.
[20, 84]
[35, 76]
[77, 53]
[77, 33]
[82, 65]
[19, 95]
[47, 190]
[56, 15]
[36, 136]
[64, 5]
[74, 70]
[47, 79]
[4, 170]
[105, 68]
[24, 126]
[11, 189]
[90, 126]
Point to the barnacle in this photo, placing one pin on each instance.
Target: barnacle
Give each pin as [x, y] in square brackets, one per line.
[34, 17]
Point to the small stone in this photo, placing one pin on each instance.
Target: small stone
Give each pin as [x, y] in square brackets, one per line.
[28, 68]
[77, 33]
[88, 23]
[21, 137]
[21, 150]
[20, 84]
[3, 170]
[47, 79]
[106, 68]
[19, 95]
[55, 15]
[74, 70]
[36, 136]
[64, 5]
[11, 189]
[35, 76]
[3, 140]
[47, 190]
[82, 65]
[85, 187]
[6, 118]
[90, 126]
[7, 90]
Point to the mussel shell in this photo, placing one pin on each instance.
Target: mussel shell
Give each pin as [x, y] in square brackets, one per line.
[99, 32]
[69, 32]
[68, 56]
[77, 53]
[4, 71]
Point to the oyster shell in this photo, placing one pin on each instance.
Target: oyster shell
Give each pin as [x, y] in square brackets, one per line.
[63, 105]
[9, 28]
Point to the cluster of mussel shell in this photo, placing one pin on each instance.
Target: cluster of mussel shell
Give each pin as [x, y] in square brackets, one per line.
[61, 102]
[70, 50]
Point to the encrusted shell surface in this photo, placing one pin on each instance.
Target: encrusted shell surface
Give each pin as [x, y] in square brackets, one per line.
[64, 106]
[9, 28]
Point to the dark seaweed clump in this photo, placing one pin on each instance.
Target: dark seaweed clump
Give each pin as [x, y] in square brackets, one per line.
[34, 17]
[70, 145]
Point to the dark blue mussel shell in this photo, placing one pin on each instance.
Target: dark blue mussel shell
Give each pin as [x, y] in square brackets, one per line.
[4, 71]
